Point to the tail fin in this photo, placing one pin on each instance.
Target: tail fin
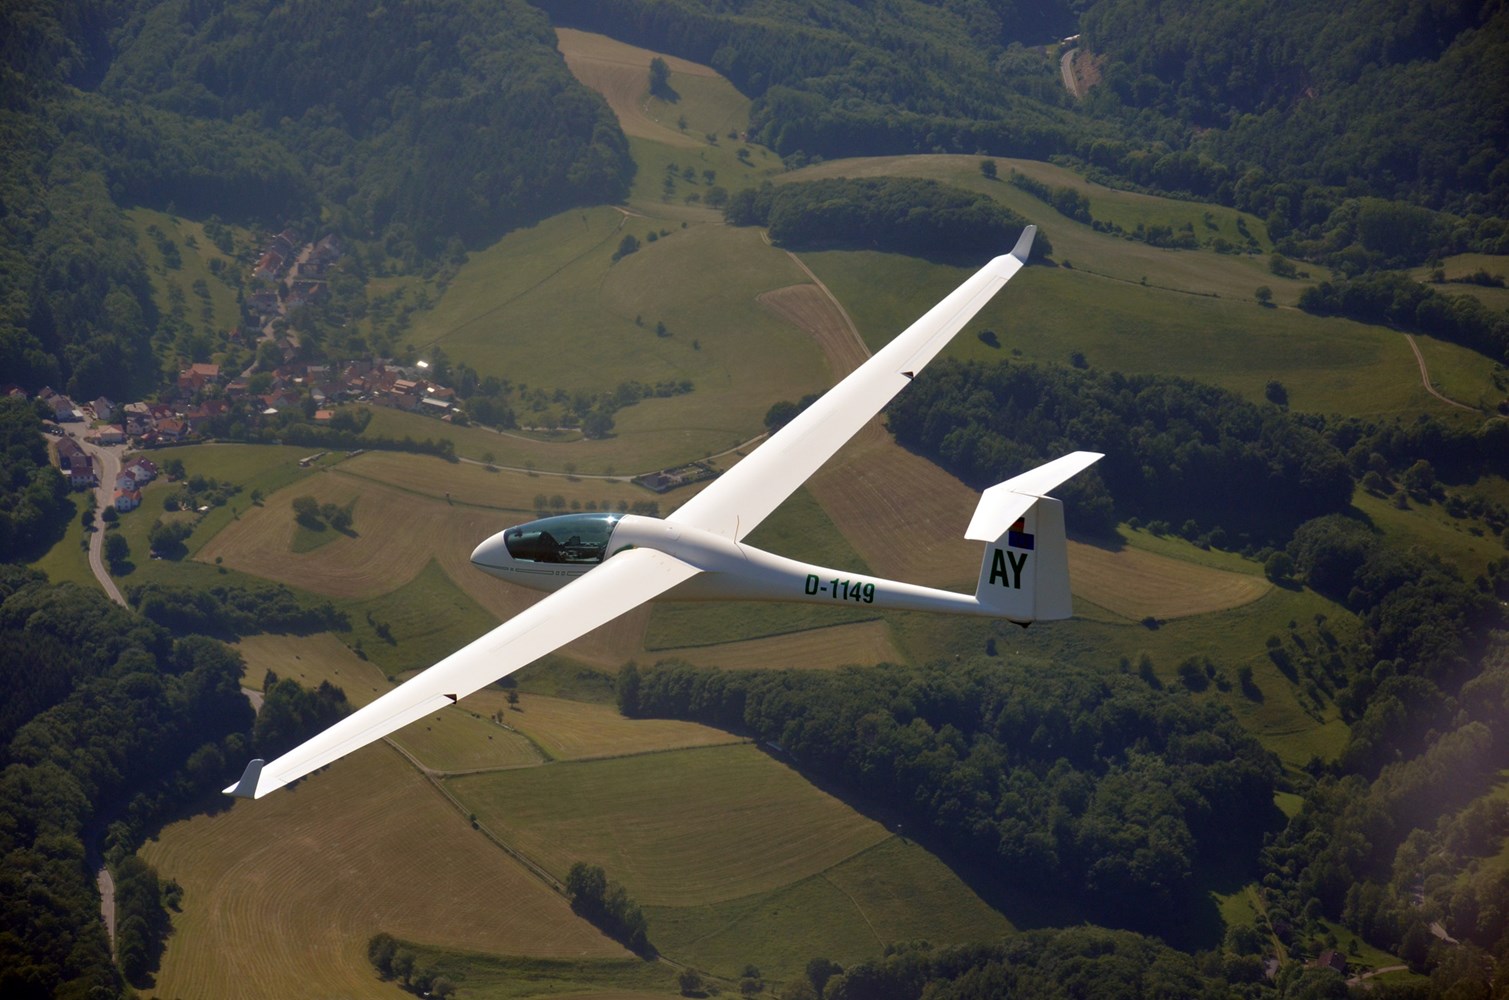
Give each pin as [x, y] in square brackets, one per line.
[1025, 574]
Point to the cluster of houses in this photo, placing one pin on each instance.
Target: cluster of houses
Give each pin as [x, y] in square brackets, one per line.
[201, 394]
[79, 467]
[289, 275]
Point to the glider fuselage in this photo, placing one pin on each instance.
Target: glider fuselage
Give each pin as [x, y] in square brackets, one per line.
[550, 553]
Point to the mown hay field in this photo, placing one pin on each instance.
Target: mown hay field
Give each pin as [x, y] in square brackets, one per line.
[620, 72]
[682, 828]
[282, 894]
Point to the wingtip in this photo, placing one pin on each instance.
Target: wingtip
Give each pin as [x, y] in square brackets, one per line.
[246, 788]
[1024, 244]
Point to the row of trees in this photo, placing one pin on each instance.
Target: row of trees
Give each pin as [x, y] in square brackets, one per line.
[900, 215]
[608, 905]
[1396, 299]
[1088, 782]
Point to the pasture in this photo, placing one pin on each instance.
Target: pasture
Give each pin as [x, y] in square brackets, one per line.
[282, 894]
[68, 559]
[591, 325]
[685, 828]
[892, 892]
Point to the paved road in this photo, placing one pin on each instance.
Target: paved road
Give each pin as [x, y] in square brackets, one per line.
[1066, 67]
[107, 459]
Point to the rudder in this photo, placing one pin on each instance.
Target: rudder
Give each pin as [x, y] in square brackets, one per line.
[1025, 573]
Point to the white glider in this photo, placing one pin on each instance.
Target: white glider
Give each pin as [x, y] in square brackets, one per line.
[602, 565]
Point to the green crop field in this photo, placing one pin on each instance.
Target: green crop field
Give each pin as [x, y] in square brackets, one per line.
[684, 828]
[592, 324]
[736, 858]
[574, 730]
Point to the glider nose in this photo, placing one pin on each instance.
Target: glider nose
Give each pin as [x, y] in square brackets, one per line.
[492, 554]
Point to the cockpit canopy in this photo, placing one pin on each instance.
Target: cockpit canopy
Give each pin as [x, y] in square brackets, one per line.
[580, 539]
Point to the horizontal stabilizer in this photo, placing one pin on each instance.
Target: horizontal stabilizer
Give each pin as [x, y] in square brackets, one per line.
[1002, 504]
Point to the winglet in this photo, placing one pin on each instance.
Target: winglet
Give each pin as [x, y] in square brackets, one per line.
[246, 788]
[1024, 244]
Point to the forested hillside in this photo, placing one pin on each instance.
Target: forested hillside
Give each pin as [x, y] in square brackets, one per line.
[270, 114]
[1272, 107]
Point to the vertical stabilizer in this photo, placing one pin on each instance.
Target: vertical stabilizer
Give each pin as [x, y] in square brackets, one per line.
[1025, 573]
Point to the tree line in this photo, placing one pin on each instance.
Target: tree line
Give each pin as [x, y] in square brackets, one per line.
[1176, 450]
[1396, 299]
[34, 504]
[922, 218]
[1088, 784]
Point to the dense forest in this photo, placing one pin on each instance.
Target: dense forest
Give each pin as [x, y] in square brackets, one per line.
[34, 504]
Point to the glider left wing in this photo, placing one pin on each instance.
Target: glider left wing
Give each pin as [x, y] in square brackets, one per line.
[618, 586]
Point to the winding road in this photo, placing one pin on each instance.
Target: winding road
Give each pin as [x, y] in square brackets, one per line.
[1425, 377]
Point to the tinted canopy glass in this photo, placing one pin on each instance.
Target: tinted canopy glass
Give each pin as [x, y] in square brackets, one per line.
[569, 538]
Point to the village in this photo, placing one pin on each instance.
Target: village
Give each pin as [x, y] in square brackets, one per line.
[203, 401]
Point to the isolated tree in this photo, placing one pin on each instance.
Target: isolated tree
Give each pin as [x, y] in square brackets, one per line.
[660, 79]
[1275, 393]
[690, 981]
[629, 244]
[988, 169]
[1264, 296]
[117, 550]
[307, 510]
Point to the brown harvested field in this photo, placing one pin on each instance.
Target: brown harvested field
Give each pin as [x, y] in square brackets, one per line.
[282, 894]
[904, 515]
[399, 529]
[621, 73]
[812, 649]
[1138, 584]
[810, 308]
[575, 730]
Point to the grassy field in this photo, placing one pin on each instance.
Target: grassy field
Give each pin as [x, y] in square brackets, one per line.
[282, 894]
[215, 311]
[737, 859]
[68, 559]
[685, 828]
[890, 893]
